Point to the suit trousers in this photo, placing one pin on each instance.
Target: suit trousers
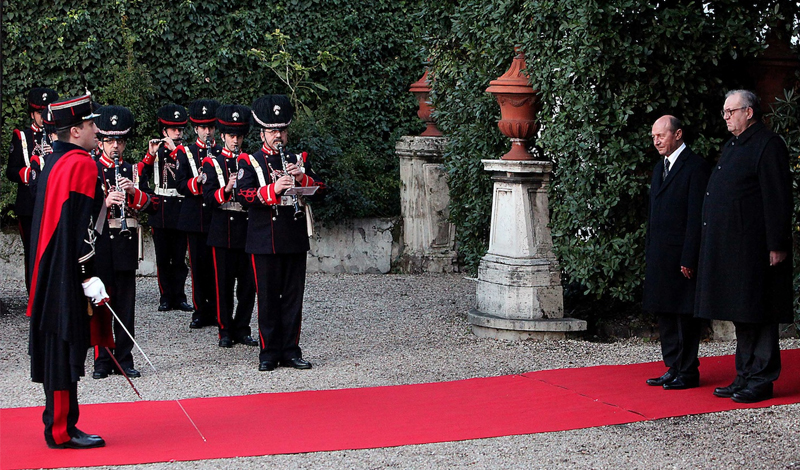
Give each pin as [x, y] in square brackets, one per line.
[60, 414]
[233, 269]
[122, 292]
[280, 284]
[204, 293]
[680, 341]
[758, 355]
[170, 246]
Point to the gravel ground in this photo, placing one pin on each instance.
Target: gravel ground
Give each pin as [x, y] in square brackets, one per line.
[372, 330]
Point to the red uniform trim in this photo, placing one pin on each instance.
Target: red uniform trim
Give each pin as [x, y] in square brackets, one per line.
[243, 157]
[75, 172]
[148, 159]
[268, 196]
[138, 200]
[220, 196]
[25, 175]
[192, 185]
[60, 413]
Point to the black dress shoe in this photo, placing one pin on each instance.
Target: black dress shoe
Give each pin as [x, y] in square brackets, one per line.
[727, 392]
[99, 374]
[752, 395]
[80, 440]
[225, 342]
[296, 363]
[659, 381]
[164, 306]
[197, 323]
[185, 306]
[247, 341]
[682, 383]
[265, 366]
[132, 373]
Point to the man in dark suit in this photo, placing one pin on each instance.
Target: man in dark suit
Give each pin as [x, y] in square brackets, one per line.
[745, 269]
[673, 243]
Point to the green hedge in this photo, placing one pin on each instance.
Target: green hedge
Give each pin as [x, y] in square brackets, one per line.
[606, 71]
[143, 54]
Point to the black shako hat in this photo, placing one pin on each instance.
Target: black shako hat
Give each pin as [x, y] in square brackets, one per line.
[49, 124]
[72, 111]
[114, 122]
[203, 112]
[171, 115]
[233, 119]
[273, 112]
[39, 98]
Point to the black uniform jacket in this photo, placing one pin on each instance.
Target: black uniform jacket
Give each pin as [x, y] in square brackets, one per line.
[747, 213]
[195, 213]
[19, 170]
[116, 252]
[272, 228]
[62, 238]
[228, 227]
[673, 233]
[165, 187]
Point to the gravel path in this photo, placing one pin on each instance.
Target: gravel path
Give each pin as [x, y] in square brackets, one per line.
[372, 330]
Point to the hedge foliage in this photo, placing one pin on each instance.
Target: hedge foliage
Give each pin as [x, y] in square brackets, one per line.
[606, 70]
[143, 54]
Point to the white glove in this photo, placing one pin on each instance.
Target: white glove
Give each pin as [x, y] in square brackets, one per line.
[95, 290]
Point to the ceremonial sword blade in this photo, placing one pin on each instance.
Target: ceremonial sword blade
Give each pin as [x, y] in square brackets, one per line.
[130, 336]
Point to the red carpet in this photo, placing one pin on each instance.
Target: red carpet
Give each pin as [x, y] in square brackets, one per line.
[552, 400]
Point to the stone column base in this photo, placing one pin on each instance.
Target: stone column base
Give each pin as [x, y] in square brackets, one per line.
[485, 325]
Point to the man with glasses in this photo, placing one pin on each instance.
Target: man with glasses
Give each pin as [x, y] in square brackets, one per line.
[118, 245]
[745, 268]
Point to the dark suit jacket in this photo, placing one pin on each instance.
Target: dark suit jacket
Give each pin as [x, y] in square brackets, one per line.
[673, 233]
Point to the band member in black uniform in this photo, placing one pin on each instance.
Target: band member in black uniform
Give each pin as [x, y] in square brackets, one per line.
[25, 144]
[161, 165]
[228, 232]
[118, 247]
[195, 216]
[38, 160]
[62, 273]
[277, 233]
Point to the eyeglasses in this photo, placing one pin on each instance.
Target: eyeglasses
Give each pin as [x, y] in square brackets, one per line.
[726, 113]
[109, 140]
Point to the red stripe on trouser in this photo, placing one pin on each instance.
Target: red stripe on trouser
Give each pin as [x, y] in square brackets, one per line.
[258, 310]
[216, 283]
[60, 413]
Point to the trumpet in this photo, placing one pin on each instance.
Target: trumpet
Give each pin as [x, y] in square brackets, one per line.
[298, 214]
[123, 222]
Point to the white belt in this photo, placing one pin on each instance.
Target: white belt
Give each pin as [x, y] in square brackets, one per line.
[115, 223]
[288, 201]
[233, 206]
[168, 192]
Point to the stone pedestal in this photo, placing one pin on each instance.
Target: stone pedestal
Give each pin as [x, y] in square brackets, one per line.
[428, 237]
[519, 293]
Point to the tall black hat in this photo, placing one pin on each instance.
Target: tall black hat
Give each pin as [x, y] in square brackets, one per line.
[203, 112]
[273, 112]
[115, 122]
[39, 98]
[49, 123]
[72, 111]
[171, 115]
[233, 119]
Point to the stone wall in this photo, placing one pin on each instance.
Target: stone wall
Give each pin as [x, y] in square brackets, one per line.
[355, 246]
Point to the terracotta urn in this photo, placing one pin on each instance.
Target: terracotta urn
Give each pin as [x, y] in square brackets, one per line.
[519, 104]
[422, 89]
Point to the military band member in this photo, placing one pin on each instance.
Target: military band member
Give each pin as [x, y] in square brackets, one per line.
[277, 234]
[25, 145]
[38, 161]
[118, 247]
[228, 231]
[195, 216]
[62, 272]
[161, 165]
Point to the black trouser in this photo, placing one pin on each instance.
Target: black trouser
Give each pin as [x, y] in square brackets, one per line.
[758, 354]
[234, 267]
[60, 414]
[280, 282]
[201, 263]
[25, 222]
[680, 341]
[170, 245]
[122, 292]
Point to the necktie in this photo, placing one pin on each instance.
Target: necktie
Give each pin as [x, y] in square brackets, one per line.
[666, 169]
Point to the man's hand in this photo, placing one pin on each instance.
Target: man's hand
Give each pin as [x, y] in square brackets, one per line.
[231, 182]
[776, 257]
[126, 185]
[153, 145]
[169, 144]
[284, 183]
[95, 290]
[295, 171]
[115, 198]
[688, 273]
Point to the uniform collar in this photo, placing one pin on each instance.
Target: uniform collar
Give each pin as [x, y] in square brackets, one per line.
[35, 128]
[107, 161]
[201, 144]
[267, 150]
[227, 153]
